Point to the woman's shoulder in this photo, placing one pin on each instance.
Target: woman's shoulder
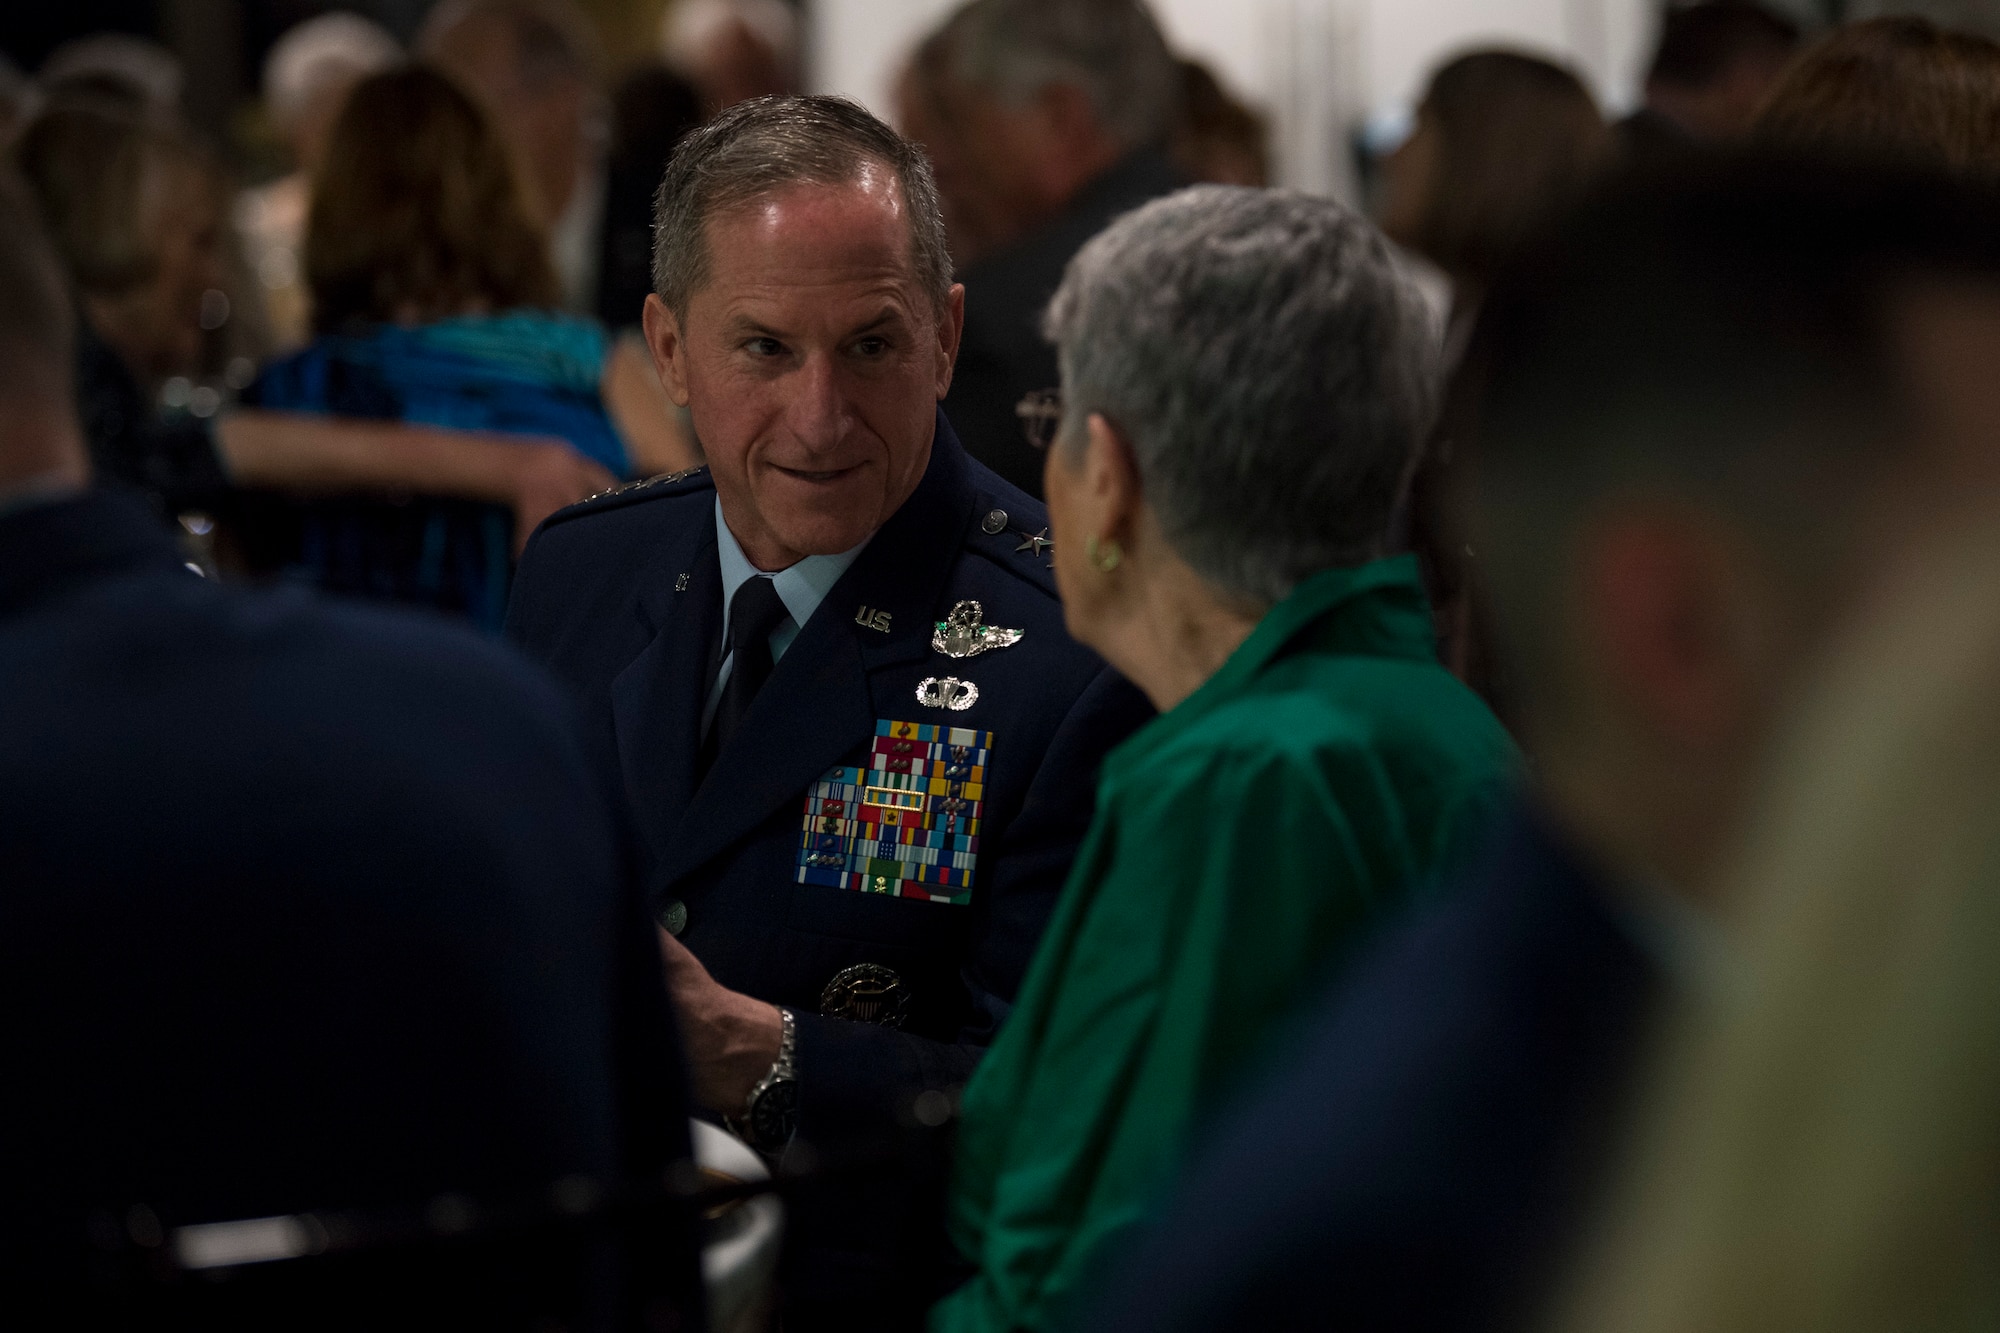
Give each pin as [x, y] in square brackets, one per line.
[1298, 726]
[543, 346]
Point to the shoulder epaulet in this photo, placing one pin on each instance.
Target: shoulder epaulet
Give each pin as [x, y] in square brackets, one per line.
[1016, 541]
[631, 492]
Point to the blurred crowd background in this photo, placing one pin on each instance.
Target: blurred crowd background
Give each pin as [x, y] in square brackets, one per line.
[549, 124]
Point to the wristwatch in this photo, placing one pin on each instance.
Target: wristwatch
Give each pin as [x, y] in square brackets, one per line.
[772, 1111]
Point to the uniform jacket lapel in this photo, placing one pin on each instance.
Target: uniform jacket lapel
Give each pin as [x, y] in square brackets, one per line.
[817, 706]
[656, 700]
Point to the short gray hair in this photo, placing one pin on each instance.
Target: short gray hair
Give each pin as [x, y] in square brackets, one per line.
[767, 144]
[1111, 49]
[1272, 367]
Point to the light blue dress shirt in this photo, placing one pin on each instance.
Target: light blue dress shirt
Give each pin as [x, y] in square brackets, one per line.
[801, 587]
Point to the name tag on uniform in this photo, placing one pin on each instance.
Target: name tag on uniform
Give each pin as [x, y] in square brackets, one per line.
[908, 824]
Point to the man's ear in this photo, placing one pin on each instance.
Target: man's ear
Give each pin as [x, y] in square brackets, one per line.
[669, 348]
[951, 328]
[1668, 601]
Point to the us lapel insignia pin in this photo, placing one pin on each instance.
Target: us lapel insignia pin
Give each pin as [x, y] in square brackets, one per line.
[1036, 544]
[869, 618]
[948, 692]
[961, 635]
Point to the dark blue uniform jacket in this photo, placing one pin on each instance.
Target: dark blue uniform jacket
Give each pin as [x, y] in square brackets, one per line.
[301, 908]
[1436, 1134]
[621, 597]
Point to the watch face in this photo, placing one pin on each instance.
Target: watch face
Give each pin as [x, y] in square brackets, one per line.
[775, 1113]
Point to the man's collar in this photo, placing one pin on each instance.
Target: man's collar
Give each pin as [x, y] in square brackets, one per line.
[801, 587]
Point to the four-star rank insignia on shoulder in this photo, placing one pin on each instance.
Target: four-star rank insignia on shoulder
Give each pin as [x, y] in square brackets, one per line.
[961, 635]
[907, 825]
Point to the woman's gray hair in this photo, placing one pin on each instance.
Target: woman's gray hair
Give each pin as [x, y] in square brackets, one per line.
[767, 144]
[1272, 367]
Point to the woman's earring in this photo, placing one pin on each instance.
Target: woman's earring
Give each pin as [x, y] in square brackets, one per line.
[1103, 558]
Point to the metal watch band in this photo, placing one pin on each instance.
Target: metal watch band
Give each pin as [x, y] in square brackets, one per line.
[771, 1109]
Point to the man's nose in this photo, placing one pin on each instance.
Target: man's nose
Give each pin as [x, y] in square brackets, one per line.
[816, 411]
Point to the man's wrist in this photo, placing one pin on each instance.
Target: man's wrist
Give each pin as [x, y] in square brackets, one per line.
[756, 1035]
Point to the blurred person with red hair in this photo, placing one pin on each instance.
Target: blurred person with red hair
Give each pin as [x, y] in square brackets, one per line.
[433, 302]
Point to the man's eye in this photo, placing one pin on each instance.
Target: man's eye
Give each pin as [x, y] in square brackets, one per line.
[763, 347]
[872, 346]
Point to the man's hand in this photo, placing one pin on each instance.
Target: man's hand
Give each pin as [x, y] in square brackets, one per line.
[732, 1040]
[551, 476]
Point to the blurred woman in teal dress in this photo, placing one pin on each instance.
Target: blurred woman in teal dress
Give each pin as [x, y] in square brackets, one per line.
[432, 303]
[1245, 378]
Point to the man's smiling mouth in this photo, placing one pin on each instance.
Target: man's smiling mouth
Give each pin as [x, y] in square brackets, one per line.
[821, 475]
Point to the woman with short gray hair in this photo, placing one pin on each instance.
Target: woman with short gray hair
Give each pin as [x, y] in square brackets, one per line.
[1245, 378]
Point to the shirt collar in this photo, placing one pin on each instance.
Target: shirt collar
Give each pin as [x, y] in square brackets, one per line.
[801, 587]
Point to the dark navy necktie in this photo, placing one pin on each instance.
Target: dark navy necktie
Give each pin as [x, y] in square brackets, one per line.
[754, 612]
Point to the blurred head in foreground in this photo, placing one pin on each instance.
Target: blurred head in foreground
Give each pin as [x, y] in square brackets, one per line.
[1503, 140]
[1702, 416]
[1894, 91]
[1714, 65]
[1245, 376]
[417, 214]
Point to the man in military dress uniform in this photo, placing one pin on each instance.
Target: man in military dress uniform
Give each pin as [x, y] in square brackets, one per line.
[859, 745]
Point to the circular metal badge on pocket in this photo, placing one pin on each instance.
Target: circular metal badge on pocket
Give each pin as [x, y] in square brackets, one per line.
[866, 993]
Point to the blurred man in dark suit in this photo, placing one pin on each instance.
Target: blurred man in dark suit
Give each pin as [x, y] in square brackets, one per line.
[1701, 418]
[301, 910]
[1055, 114]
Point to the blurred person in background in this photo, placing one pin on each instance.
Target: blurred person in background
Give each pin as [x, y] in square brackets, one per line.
[1217, 138]
[532, 65]
[1895, 90]
[652, 109]
[1503, 141]
[302, 909]
[1065, 108]
[733, 50]
[1818, 1151]
[119, 67]
[433, 302]
[1245, 376]
[307, 76]
[975, 218]
[1698, 439]
[1715, 63]
[126, 202]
